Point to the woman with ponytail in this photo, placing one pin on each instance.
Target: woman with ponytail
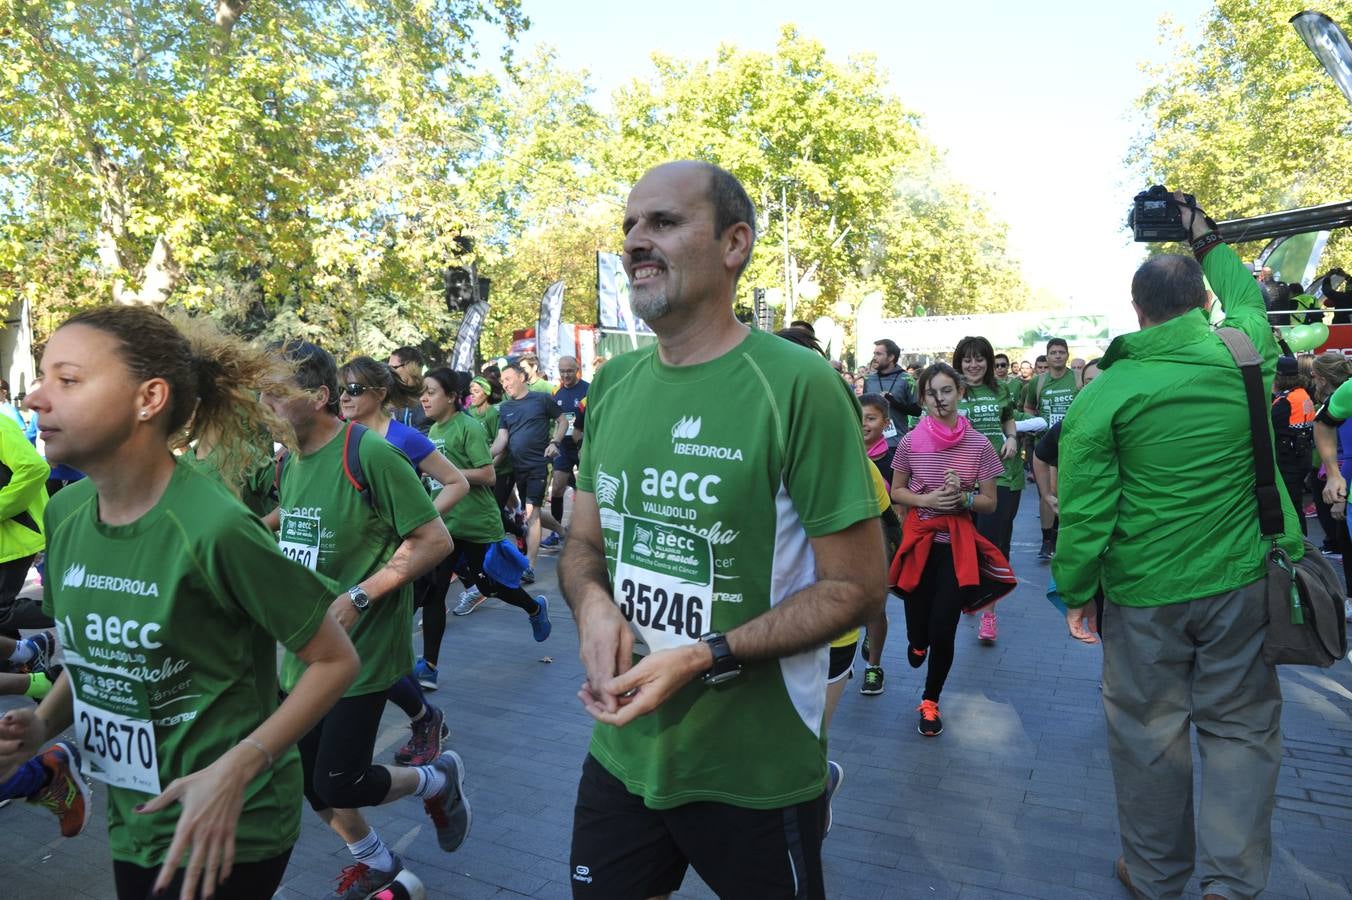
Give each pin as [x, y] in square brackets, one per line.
[174, 705]
[475, 523]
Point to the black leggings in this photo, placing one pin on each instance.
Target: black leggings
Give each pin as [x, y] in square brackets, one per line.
[502, 492]
[469, 565]
[432, 598]
[998, 527]
[247, 881]
[336, 756]
[932, 613]
[15, 611]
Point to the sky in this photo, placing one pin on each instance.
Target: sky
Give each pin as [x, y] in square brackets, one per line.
[1033, 102]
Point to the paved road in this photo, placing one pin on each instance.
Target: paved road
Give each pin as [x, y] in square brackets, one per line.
[1015, 799]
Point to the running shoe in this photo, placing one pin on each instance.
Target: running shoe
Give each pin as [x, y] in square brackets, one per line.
[930, 723]
[469, 602]
[1048, 550]
[987, 631]
[425, 744]
[449, 809]
[1331, 554]
[873, 681]
[539, 623]
[835, 777]
[43, 646]
[39, 685]
[426, 674]
[528, 576]
[553, 542]
[360, 882]
[916, 655]
[66, 795]
[1311, 511]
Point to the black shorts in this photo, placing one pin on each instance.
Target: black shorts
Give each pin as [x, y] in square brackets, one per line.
[565, 460]
[622, 849]
[842, 660]
[530, 486]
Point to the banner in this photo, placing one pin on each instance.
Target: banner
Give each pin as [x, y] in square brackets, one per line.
[466, 349]
[612, 297]
[547, 330]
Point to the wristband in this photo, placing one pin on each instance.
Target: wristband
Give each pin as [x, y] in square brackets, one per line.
[1205, 244]
[260, 748]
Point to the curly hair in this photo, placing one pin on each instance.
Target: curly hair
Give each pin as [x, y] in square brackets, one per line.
[215, 381]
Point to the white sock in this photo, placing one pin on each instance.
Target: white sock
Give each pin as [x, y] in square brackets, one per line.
[23, 652]
[372, 851]
[431, 781]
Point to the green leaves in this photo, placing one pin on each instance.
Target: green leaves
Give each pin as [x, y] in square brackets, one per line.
[307, 166]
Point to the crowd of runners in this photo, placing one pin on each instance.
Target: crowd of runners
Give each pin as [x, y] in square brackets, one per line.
[741, 515]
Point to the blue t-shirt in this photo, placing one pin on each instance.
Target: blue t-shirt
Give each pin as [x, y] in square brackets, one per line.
[528, 422]
[412, 442]
[566, 399]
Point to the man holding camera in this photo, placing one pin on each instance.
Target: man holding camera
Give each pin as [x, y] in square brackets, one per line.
[890, 379]
[1158, 507]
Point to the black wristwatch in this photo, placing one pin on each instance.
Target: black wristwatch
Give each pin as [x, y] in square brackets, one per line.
[359, 598]
[725, 667]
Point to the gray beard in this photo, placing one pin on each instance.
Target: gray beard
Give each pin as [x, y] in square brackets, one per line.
[649, 306]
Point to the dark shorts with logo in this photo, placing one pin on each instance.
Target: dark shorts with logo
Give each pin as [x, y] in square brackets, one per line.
[624, 849]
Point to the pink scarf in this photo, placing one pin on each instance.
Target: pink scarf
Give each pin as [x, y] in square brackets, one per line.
[878, 449]
[931, 436]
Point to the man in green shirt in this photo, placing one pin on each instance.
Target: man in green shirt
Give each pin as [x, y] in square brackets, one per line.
[1158, 508]
[535, 379]
[369, 545]
[1049, 395]
[721, 535]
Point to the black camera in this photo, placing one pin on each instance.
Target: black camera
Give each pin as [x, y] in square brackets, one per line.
[1157, 217]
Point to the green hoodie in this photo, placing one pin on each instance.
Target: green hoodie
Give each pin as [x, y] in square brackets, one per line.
[1156, 476]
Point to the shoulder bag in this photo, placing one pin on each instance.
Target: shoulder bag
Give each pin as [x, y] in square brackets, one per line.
[1306, 625]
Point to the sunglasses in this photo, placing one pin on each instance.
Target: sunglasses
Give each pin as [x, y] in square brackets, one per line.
[355, 390]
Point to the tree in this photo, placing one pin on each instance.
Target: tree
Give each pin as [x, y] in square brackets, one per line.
[284, 164]
[1239, 118]
[847, 186]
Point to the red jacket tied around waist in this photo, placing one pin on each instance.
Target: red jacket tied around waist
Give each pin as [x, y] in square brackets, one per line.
[984, 575]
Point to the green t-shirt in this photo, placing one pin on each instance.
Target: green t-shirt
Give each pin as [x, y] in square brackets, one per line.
[462, 440]
[541, 386]
[327, 526]
[174, 620]
[255, 491]
[988, 410]
[1053, 395]
[491, 420]
[709, 481]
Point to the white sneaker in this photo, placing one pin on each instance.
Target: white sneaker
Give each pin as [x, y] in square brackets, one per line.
[1347, 608]
[469, 602]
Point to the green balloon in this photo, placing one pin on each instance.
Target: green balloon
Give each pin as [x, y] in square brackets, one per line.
[1301, 338]
[1321, 334]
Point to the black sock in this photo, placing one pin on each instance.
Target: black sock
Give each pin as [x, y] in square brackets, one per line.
[556, 509]
[1046, 534]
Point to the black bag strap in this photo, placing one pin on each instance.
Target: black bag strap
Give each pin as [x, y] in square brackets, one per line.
[1270, 520]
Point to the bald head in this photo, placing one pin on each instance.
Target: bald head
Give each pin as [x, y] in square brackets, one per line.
[1167, 286]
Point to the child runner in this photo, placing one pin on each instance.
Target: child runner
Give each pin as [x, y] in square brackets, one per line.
[945, 471]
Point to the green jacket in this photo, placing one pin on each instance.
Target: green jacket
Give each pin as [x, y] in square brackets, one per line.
[26, 492]
[1156, 476]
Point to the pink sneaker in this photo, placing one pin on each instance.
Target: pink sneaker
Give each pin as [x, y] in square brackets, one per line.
[986, 632]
